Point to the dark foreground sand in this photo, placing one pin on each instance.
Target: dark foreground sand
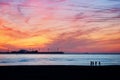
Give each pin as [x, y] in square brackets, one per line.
[60, 72]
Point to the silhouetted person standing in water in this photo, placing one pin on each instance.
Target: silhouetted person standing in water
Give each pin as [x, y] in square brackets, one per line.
[92, 63]
[99, 63]
[95, 63]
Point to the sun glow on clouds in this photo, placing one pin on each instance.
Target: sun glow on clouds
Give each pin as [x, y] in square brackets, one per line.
[71, 25]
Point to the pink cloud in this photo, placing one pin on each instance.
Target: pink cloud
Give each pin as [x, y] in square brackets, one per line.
[12, 32]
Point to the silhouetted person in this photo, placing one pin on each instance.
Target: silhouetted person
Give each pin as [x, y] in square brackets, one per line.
[92, 63]
[99, 63]
[95, 63]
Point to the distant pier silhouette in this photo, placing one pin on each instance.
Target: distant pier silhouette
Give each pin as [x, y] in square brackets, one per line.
[34, 51]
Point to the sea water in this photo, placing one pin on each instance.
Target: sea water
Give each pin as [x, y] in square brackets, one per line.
[58, 59]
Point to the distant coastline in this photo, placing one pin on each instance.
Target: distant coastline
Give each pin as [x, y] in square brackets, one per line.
[59, 52]
[32, 52]
[22, 51]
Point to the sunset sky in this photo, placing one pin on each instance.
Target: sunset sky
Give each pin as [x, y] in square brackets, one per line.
[71, 25]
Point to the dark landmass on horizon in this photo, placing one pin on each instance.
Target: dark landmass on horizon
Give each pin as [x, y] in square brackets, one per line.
[32, 53]
[22, 51]
[52, 53]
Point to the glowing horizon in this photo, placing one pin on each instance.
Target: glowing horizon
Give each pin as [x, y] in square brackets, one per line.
[71, 25]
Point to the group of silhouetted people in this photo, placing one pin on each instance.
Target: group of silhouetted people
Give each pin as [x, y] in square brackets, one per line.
[95, 63]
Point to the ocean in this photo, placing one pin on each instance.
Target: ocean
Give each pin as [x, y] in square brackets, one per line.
[59, 59]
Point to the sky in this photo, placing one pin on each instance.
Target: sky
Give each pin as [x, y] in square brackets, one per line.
[70, 25]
